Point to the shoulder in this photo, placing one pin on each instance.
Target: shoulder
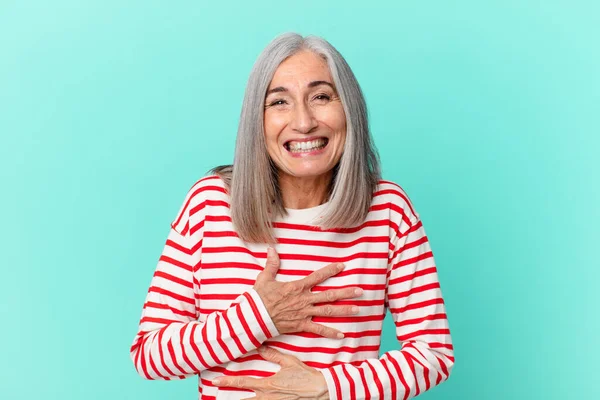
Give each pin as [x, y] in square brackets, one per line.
[210, 189]
[207, 188]
[400, 205]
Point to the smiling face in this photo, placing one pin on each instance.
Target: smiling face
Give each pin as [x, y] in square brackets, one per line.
[304, 120]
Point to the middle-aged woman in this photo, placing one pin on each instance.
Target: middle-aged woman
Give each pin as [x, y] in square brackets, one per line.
[278, 270]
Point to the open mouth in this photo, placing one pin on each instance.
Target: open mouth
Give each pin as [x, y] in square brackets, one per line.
[294, 146]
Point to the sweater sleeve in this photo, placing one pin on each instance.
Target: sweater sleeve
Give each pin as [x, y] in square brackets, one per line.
[415, 301]
[173, 341]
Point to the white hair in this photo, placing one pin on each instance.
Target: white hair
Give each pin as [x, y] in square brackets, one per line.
[252, 180]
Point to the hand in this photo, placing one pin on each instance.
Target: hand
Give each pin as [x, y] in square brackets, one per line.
[295, 380]
[291, 305]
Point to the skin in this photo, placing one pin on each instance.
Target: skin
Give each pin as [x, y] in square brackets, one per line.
[291, 306]
[301, 103]
[284, 384]
[301, 111]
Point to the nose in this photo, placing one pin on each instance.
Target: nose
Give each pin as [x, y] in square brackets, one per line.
[303, 120]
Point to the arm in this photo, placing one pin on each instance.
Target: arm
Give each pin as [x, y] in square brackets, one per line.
[415, 301]
[425, 359]
[171, 342]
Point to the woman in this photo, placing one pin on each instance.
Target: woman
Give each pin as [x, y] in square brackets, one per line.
[278, 270]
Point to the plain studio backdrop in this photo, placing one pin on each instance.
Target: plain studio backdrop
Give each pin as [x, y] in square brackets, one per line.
[487, 113]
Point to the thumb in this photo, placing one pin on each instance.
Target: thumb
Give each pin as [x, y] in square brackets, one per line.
[272, 264]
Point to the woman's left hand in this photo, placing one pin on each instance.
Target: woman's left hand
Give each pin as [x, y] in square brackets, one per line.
[295, 380]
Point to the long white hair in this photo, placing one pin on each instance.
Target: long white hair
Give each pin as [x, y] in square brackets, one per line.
[252, 180]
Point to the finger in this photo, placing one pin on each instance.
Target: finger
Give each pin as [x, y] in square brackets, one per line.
[240, 382]
[322, 330]
[272, 264]
[270, 354]
[329, 296]
[329, 310]
[321, 275]
[259, 396]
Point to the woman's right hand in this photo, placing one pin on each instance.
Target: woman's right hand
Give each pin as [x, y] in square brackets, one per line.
[291, 305]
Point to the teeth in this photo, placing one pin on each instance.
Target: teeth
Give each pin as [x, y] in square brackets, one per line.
[306, 146]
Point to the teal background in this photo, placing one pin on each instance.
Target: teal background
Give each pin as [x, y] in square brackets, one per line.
[487, 113]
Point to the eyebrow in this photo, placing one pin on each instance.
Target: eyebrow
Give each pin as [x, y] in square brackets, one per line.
[312, 84]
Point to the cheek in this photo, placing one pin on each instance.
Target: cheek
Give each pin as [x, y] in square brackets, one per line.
[338, 125]
[273, 123]
[335, 118]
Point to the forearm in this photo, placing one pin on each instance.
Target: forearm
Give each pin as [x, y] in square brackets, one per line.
[167, 349]
[415, 301]
[398, 374]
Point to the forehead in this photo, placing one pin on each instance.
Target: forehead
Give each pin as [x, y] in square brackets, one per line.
[301, 68]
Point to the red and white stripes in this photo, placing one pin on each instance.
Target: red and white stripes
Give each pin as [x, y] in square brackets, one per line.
[201, 315]
[415, 302]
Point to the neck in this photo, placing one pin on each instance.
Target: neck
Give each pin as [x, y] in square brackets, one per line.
[298, 193]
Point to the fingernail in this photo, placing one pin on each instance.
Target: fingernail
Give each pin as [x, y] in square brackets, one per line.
[355, 310]
[262, 349]
[340, 335]
[358, 291]
[269, 251]
[340, 267]
[217, 381]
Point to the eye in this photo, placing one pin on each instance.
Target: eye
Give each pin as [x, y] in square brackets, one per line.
[277, 102]
[322, 97]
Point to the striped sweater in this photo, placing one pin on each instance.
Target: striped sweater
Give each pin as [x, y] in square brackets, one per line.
[202, 316]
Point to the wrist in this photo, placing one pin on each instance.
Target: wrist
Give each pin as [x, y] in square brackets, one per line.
[323, 390]
[332, 383]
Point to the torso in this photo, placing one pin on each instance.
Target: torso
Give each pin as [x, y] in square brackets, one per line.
[229, 267]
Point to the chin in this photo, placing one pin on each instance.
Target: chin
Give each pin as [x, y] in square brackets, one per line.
[308, 173]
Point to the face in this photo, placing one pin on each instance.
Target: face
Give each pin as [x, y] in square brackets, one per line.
[304, 120]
